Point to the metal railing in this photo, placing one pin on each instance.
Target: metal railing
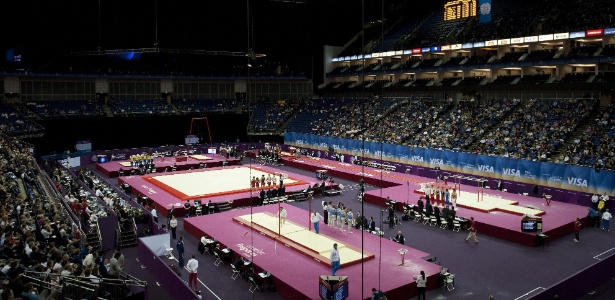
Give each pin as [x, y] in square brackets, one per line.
[78, 287]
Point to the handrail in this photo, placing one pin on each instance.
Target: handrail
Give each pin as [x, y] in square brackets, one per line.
[118, 235]
[58, 196]
[42, 283]
[132, 280]
[134, 225]
[99, 235]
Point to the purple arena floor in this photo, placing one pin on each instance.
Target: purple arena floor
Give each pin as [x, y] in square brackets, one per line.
[557, 220]
[296, 276]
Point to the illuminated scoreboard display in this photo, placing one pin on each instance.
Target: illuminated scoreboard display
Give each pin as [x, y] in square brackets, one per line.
[458, 9]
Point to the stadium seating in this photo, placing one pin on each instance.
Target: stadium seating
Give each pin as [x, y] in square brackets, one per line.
[583, 51]
[536, 129]
[127, 107]
[576, 77]
[268, 117]
[472, 81]
[594, 146]
[205, 105]
[449, 81]
[14, 121]
[401, 124]
[66, 108]
[541, 54]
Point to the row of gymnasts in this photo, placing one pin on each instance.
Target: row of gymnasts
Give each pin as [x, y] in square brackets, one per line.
[256, 183]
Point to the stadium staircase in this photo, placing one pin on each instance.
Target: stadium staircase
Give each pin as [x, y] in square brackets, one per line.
[290, 118]
[579, 131]
[559, 53]
[408, 37]
[126, 233]
[22, 189]
[108, 111]
[92, 238]
[174, 108]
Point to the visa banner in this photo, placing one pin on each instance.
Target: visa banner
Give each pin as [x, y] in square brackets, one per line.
[547, 174]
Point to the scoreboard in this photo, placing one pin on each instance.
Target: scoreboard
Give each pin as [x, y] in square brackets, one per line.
[458, 9]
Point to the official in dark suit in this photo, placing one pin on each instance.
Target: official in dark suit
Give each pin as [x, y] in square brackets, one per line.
[399, 238]
[451, 217]
[391, 212]
[371, 224]
[445, 212]
[420, 206]
[429, 209]
[282, 190]
[436, 213]
[180, 250]
[322, 188]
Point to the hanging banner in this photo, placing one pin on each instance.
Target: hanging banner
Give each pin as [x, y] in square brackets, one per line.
[484, 7]
[546, 174]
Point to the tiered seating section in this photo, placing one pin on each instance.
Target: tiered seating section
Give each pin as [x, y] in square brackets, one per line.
[66, 108]
[269, 117]
[533, 129]
[401, 125]
[536, 129]
[188, 106]
[312, 112]
[125, 107]
[14, 121]
[460, 126]
[595, 147]
[349, 119]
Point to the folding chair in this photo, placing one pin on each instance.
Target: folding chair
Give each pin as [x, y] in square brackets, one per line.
[169, 251]
[425, 219]
[417, 216]
[443, 223]
[433, 221]
[253, 285]
[456, 226]
[218, 259]
[235, 272]
[449, 282]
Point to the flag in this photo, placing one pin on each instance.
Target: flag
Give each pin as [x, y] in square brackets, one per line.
[484, 11]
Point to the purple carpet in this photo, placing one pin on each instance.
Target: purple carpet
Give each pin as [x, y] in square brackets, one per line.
[296, 276]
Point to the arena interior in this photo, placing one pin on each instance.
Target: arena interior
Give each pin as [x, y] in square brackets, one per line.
[482, 131]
